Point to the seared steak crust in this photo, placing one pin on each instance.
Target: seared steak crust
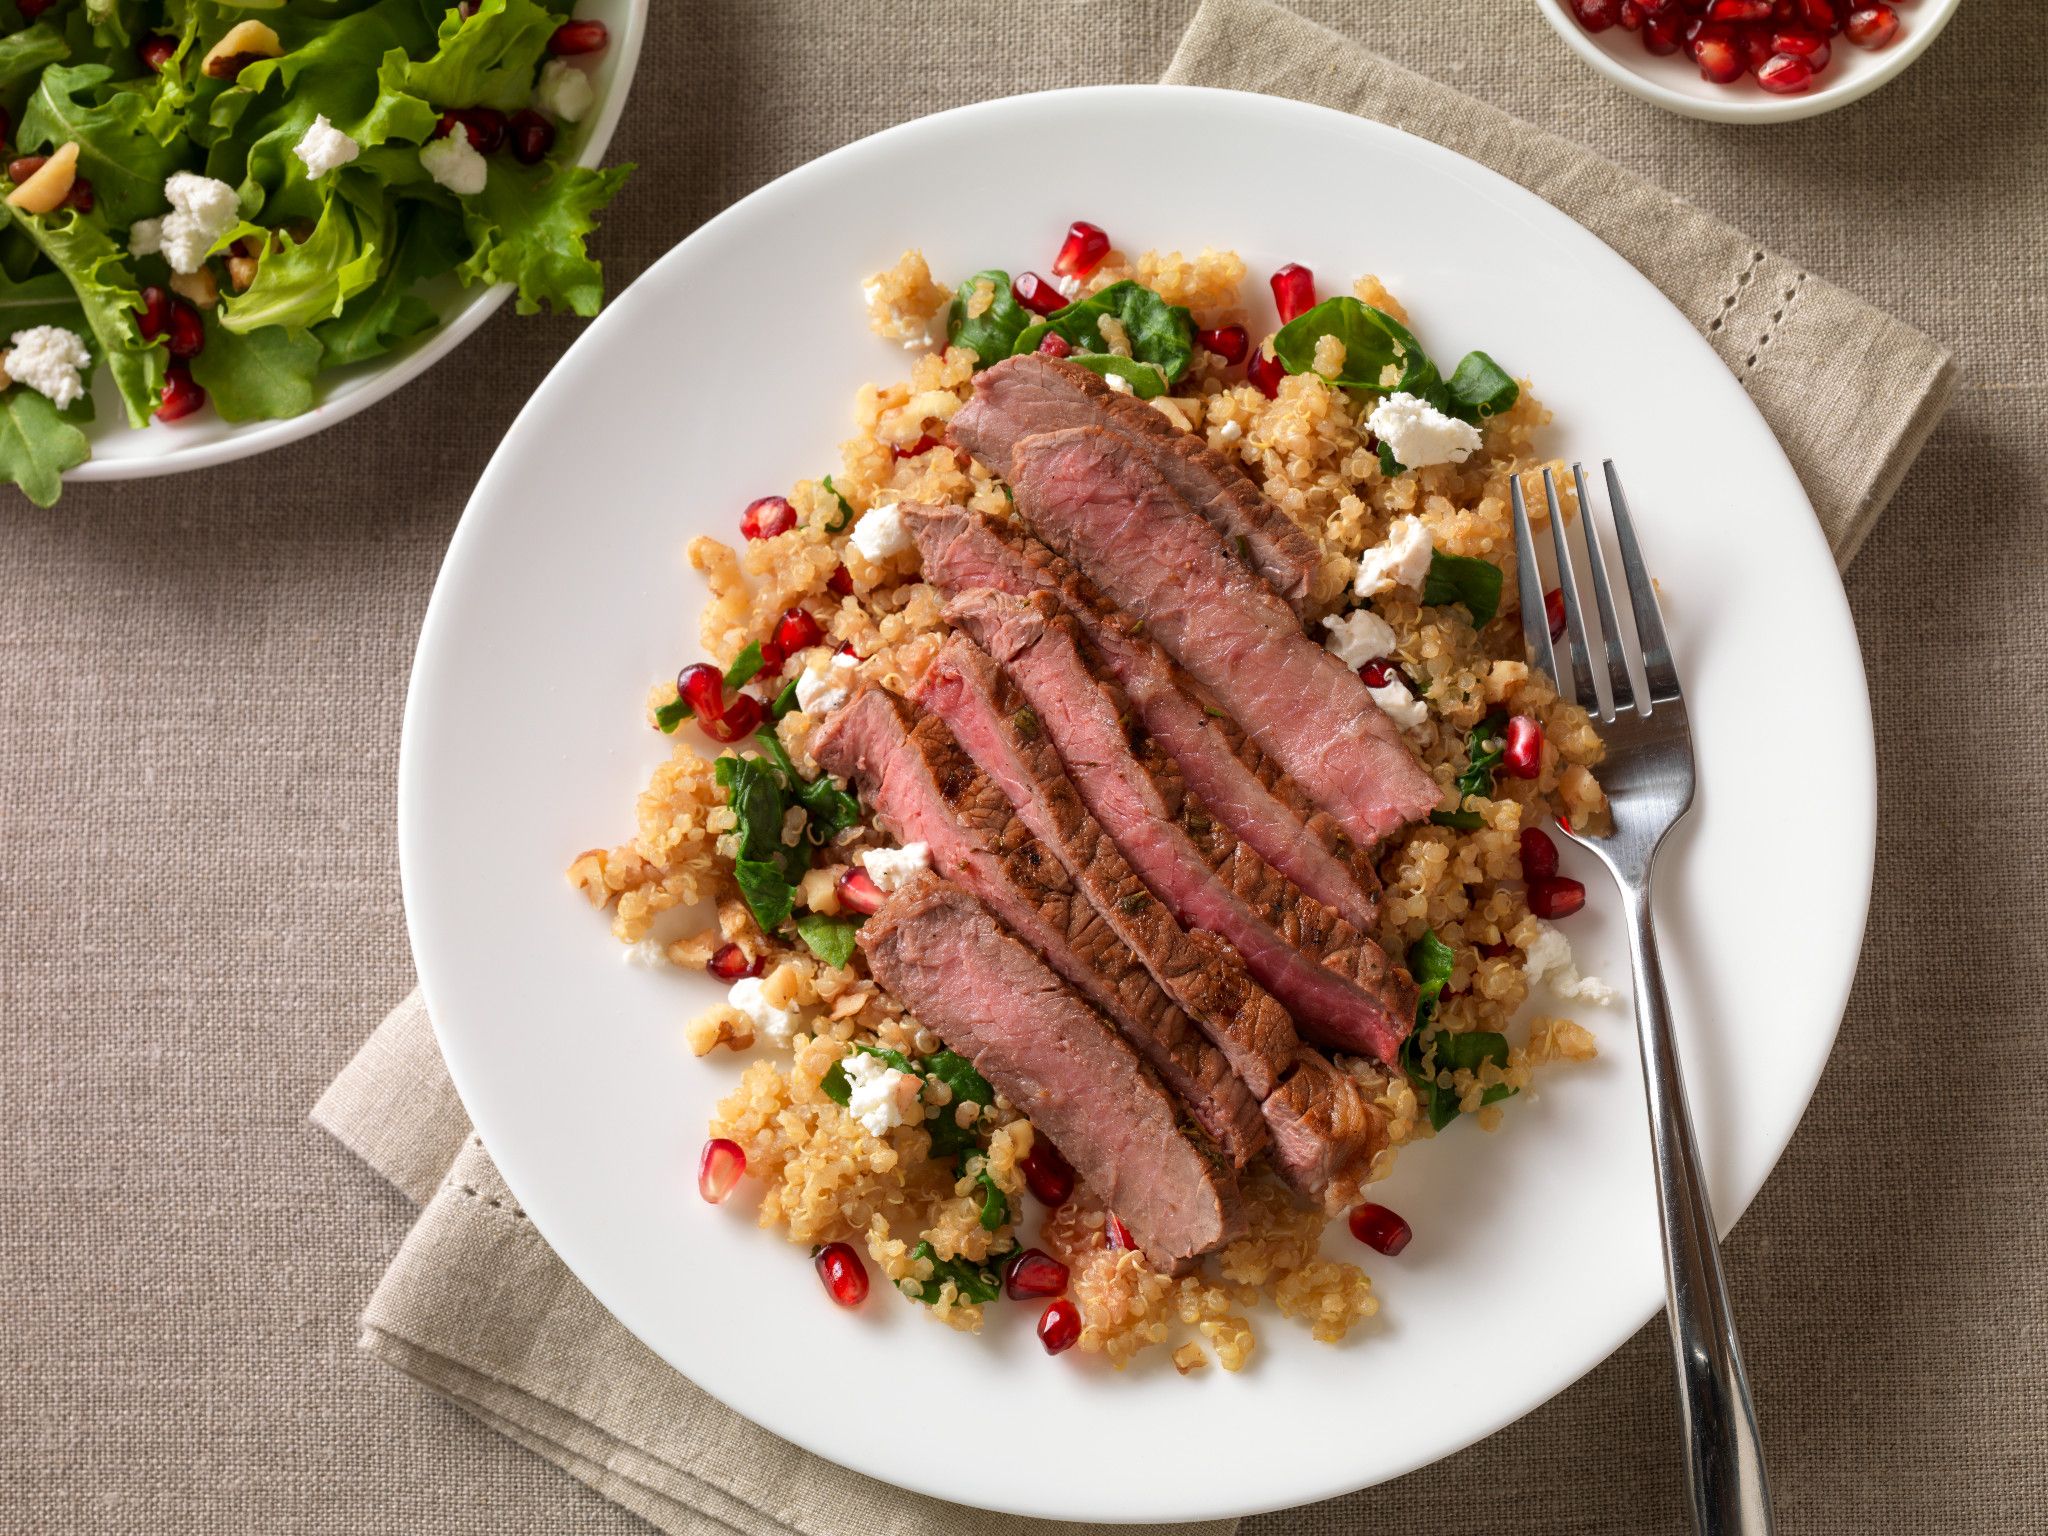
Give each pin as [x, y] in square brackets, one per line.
[1326, 1131]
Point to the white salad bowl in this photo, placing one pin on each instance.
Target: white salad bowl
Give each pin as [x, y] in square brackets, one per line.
[119, 452]
[1673, 81]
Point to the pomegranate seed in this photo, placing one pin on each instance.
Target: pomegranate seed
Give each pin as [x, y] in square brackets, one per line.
[858, 892]
[1660, 35]
[31, 9]
[1539, 854]
[80, 196]
[917, 449]
[1556, 896]
[1498, 951]
[1523, 755]
[845, 1277]
[1800, 43]
[1631, 16]
[1719, 54]
[532, 136]
[719, 1168]
[1294, 290]
[702, 687]
[1053, 344]
[1048, 1175]
[1229, 342]
[6, 126]
[1739, 10]
[743, 715]
[1034, 1273]
[1756, 48]
[1116, 1234]
[486, 127]
[579, 37]
[1059, 1326]
[1594, 15]
[1818, 15]
[840, 581]
[772, 658]
[1553, 610]
[182, 396]
[1265, 372]
[1871, 26]
[186, 337]
[20, 170]
[1082, 251]
[1380, 1229]
[155, 52]
[1785, 74]
[730, 963]
[767, 517]
[797, 631]
[155, 313]
[1379, 672]
[1037, 294]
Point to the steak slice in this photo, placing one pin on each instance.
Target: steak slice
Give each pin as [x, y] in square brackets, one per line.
[1033, 394]
[1092, 498]
[1340, 988]
[924, 789]
[963, 550]
[991, 721]
[939, 953]
[1327, 1131]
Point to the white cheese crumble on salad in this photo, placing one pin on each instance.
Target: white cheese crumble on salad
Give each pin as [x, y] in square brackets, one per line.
[454, 163]
[563, 91]
[1417, 433]
[1399, 560]
[202, 210]
[649, 953]
[890, 867]
[778, 1024]
[1358, 637]
[1550, 961]
[47, 359]
[1401, 706]
[881, 533]
[1117, 382]
[819, 689]
[880, 1096]
[325, 147]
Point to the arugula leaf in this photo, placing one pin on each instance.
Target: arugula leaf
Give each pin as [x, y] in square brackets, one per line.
[38, 443]
[262, 375]
[1158, 332]
[1463, 579]
[106, 293]
[1389, 465]
[528, 227]
[32, 48]
[973, 1282]
[1463, 821]
[785, 701]
[673, 714]
[1480, 758]
[768, 895]
[845, 507]
[834, 1082]
[1479, 387]
[1145, 380]
[44, 298]
[995, 1205]
[429, 242]
[992, 333]
[745, 665]
[488, 59]
[829, 938]
[1368, 344]
[72, 103]
[958, 1074]
[300, 283]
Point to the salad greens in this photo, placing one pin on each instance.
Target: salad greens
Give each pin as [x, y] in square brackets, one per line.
[1484, 748]
[760, 792]
[1430, 962]
[1463, 579]
[330, 257]
[973, 1282]
[1161, 336]
[1374, 341]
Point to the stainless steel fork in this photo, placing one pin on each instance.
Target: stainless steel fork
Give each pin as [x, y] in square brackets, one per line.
[1648, 776]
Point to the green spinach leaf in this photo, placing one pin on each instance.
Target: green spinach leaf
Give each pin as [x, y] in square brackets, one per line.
[1469, 1050]
[958, 1074]
[839, 524]
[1389, 465]
[745, 665]
[1463, 821]
[785, 701]
[992, 333]
[972, 1282]
[995, 1205]
[1479, 387]
[829, 938]
[831, 809]
[1157, 332]
[1368, 344]
[769, 896]
[835, 1083]
[1146, 381]
[1484, 747]
[673, 714]
[1464, 579]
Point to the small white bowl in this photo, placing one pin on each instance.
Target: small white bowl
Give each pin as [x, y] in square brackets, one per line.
[1674, 81]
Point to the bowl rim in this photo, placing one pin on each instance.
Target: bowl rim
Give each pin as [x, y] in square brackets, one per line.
[1930, 17]
[467, 316]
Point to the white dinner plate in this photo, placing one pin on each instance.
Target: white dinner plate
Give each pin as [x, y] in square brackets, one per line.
[727, 372]
[119, 452]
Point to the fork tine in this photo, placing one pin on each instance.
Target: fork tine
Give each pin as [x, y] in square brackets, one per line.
[1529, 588]
[1568, 582]
[1621, 689]
[1660, 676]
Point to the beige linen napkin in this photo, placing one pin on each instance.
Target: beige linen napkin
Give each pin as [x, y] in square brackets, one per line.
[477, 1307]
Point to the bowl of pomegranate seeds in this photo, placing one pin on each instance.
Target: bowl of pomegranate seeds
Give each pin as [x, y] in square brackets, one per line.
[1763, 61]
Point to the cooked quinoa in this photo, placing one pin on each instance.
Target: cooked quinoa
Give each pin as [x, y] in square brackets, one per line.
[826, 1177]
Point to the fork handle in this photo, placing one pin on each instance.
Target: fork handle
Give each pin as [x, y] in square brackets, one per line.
[1724, 1462]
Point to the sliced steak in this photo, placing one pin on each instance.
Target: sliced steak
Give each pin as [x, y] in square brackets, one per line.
[923, 788]
[939, 953]
[991, 721]
[1092, 498]
[1326, 1131]
[1341, 990]
[963, 550]
[1033, 394]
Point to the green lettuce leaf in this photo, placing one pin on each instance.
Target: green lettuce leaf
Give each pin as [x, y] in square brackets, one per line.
[38, 443]
[301, 283]
[264, 374]
[388, 312]
[32, 48]
[488, 59]
[98, 273]
[527, 227]
[117, 152]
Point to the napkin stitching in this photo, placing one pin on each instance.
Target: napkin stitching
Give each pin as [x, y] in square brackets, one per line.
[1756, 259]
[1787, 300]
[493, 1201]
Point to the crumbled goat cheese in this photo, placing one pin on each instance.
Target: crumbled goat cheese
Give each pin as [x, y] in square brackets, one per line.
[1550, 961]
[202, 210]
[454, 163]
[563, 91]
[881, 533]
[1401, 706]
[1117, 382]
[324, 147]
[881, 1096]
[820, 689]
[1230, 432]
[1399, 560]
[649, 952]
[778, 1024]
[1359, 637]
[47, 358]
[1417, 433]
[890, 867]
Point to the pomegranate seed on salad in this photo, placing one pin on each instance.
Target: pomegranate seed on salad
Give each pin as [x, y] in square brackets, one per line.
[1229, 342]
[741, 717]
[797, 631]
[730, 963]
[1048, 1175]
[532, 136]
[1380, 1229]
[155, 313]
[573, 38]
[1116, 1234]
[840, 582]
[155, 52]
[922, 446]
[766, 517]
[1053, 344]
[1082, 251]
[1037, 294]
[1523, 754]
[702, 686]
[185, 336]
[1379, 672]
[1265, 371]
[1555, 896]
[1034, 1273]
[719, 1168]
[484, 125]
[1539, 854]
[1059, 1326]
[845, 1277]
[859, 893]
[1553, 610]
[182, 394]
[1294, 291]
